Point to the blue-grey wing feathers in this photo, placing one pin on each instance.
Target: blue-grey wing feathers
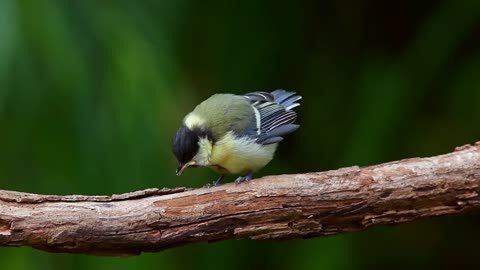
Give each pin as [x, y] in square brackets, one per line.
[274, 115]
[259, 96]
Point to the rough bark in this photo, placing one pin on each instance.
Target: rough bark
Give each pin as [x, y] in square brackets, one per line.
[273, 207]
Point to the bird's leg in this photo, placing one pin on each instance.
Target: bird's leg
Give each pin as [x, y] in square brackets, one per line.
[216, 182]
[219, 180]
[244, 178]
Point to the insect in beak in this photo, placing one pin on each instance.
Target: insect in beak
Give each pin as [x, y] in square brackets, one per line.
[181, 167]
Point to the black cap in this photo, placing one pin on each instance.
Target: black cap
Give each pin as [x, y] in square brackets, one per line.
[185, 145]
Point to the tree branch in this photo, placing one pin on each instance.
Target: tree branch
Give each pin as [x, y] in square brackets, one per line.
[273, 207]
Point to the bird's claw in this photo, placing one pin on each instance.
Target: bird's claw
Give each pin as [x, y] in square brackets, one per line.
[243, 178]
[214, 183]
[209, 185]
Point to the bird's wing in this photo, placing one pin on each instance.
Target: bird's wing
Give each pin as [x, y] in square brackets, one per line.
[274, 116]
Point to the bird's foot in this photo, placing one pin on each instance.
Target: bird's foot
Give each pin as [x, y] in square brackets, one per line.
[243, 178]
[215, 183]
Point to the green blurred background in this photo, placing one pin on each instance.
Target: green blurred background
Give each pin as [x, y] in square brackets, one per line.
[91, 93]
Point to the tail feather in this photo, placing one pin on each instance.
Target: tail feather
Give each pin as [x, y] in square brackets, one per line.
[274, 115]
[291, 102]
[286, 99]
[281, 95]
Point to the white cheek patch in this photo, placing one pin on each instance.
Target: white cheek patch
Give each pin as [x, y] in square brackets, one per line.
[202, 158]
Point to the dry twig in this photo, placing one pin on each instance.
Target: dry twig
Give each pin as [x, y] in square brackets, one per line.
[280, 207]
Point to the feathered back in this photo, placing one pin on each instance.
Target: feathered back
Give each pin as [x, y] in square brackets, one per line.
[222, 113]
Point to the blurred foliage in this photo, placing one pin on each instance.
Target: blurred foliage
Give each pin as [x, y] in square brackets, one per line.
[91, 93]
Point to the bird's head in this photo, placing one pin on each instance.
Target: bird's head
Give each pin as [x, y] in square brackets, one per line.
[192, 147]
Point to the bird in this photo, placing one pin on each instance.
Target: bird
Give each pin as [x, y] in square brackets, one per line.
[235, 134]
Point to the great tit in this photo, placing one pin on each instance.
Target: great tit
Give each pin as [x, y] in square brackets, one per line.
[235, 134]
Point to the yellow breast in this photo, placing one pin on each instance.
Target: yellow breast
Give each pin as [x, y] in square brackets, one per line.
[240, 155]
